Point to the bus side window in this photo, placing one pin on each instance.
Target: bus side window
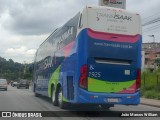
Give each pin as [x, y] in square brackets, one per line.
[80, 22]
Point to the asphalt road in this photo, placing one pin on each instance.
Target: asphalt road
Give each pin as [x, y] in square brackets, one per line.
[24, 100]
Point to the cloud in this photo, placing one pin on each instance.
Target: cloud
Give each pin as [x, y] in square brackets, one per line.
[145, 7]
[36, 17]
[41, 17]
[25, 24]
[3, 5]
[21, 53]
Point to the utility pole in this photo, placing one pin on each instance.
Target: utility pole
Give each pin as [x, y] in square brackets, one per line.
[153, 49]
[113, 3]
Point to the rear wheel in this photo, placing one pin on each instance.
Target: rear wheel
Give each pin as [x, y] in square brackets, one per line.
[105, 107]
[54, 97]
[27, 87]
[61, 103]
[36, 94]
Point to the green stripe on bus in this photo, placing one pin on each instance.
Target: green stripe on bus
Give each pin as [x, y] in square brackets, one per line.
[95, 85]
[64, 99]
[54, 80]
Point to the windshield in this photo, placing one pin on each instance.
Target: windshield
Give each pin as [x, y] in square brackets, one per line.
[24, 81]
[2, 81]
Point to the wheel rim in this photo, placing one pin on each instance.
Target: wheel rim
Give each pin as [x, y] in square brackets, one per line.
[60, 97]
[53, 96]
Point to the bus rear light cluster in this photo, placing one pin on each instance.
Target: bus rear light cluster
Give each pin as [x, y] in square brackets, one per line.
[83, 81]
[138, 79]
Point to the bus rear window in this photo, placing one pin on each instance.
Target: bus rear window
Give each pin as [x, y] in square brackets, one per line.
[113, 61]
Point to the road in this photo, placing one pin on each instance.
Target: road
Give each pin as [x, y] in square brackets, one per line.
[24, 100]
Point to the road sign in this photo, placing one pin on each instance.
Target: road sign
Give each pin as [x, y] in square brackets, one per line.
[113, 3]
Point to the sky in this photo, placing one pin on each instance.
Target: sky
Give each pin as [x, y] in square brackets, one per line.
[25, 24]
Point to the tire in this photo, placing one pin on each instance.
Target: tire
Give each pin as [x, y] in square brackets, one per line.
[6, 89]
[54, 97]
[36, 94]
[27, 87]
[61, 103]
[105, 107]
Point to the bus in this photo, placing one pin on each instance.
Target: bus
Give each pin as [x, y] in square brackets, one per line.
[93, 59]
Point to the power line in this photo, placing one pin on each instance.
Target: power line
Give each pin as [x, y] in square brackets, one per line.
[151, 22]
[152, 27]
[151, 16]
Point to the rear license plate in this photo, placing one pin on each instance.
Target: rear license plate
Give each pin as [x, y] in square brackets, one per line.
[112, 100]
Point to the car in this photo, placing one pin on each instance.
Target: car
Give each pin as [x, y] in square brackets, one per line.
[3, 84]
[23, 83]
[11, 83]
[14, 84]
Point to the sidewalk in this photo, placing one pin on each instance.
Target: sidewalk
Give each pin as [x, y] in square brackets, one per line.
[150, 102]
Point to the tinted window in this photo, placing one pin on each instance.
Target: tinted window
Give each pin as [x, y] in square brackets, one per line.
[2, 81]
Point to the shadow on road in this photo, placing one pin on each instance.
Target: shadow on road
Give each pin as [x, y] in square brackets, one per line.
[80, 111]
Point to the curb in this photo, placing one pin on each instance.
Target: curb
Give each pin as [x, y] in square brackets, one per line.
[150, 105]
[150, 102]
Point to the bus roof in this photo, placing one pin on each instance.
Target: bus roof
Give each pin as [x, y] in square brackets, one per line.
[111, 8]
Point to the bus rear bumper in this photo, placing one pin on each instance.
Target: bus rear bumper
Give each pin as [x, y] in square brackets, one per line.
[105, 98]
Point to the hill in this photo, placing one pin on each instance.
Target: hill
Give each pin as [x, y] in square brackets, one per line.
[11, 70]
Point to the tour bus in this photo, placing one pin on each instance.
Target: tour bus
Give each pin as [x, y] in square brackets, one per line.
[93, 59]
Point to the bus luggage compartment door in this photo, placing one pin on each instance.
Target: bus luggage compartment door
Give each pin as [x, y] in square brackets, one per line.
[70, 88]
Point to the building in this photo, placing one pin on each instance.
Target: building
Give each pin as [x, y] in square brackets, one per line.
[150, 46]
[150, 58]
[151, 54]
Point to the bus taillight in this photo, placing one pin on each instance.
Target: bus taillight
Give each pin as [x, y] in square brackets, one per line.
[138, 79]
[83, 77]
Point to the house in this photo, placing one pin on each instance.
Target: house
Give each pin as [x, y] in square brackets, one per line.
[151, 54]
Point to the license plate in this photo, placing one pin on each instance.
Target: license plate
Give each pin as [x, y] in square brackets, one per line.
[111, 100]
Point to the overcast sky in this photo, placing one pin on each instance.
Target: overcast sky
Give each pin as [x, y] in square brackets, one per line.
[25, 24]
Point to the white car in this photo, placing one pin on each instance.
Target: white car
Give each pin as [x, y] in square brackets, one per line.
[3, 84]
[14, 84]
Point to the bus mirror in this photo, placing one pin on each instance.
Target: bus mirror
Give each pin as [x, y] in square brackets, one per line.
[80, 22]
[81, 26]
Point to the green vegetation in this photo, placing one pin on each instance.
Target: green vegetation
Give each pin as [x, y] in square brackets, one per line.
[150, 85]
[11, 70]
[157, 61]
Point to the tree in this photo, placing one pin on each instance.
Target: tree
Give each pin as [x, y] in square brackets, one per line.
[157, 61]
[12, 70]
